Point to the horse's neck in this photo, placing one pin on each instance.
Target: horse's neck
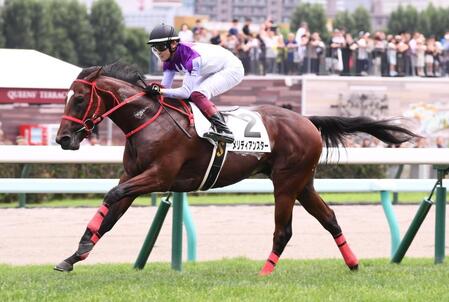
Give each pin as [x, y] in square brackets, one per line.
[131, 115]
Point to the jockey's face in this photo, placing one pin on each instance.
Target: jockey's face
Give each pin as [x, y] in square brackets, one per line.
[164, 55]
[163, 52]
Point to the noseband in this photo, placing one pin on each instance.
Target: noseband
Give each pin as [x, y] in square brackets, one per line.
[88, 123]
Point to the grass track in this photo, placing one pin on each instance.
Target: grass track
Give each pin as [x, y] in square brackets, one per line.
[231, 280]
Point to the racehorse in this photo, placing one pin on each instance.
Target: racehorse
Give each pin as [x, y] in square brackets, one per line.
[159, 157]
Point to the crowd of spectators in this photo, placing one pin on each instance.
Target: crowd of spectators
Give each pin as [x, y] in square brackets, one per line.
[268, 52]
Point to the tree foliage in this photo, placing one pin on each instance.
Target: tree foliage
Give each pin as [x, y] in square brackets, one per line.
[138, 52]
[362, 19]
[430, 21]
[2, 37]
[109, 31]
[66, 30]
[64, 46]
[71, 21]
[17, 16]
[313, 14]
[345, 21]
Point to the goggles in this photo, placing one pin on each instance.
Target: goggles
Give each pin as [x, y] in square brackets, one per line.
[160, 46]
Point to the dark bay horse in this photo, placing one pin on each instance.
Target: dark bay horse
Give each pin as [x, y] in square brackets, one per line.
[159, 157]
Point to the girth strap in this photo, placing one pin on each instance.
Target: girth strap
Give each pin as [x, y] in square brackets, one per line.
[217, 160]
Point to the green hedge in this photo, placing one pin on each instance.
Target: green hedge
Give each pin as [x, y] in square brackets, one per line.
[351, 171]
[115, 170]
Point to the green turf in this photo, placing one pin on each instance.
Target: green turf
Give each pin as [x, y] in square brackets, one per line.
[230, 280]
[205, 199]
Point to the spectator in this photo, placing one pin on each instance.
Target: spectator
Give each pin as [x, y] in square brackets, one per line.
[263, 49]
[185, 34]
[281, 52]
[391, 53]
[271, 47]
[303, 29]
[234, 30]
[314, 51]
[20, 140]
[302, 54]
[337, 42]
[215, 38]
[445, 54]
[255, 53]
[366, 143]
[420, 55]
[93, 140]
[243, 52]
[231, 43]
[433, 52]
[401, 53]
[3, 139]
[440, 143]
[291, 64]
[246, 27]
[198, 26]
[413, 43]
[202, 36]
[406, 37]
[378, 54]
[347, 54]
[362, 54]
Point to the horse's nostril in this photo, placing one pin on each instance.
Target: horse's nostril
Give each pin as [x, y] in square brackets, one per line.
[63, 140]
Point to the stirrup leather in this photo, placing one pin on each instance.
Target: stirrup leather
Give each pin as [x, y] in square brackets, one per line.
[220, 137]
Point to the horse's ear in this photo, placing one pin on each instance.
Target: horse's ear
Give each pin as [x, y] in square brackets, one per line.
[95, 74]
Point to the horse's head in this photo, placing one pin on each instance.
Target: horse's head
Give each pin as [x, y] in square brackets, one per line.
[82, 107]
[101, 92]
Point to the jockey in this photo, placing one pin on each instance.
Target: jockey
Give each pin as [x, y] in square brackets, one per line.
[209, 70]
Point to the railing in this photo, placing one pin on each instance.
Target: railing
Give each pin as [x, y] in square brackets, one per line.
[107, 154]
[114, 154]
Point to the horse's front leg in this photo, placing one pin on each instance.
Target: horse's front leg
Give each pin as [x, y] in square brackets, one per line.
[115, 204]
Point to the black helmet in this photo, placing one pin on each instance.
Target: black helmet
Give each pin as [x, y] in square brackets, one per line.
[162, 33]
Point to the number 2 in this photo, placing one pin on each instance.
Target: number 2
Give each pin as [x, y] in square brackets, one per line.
[251, 122]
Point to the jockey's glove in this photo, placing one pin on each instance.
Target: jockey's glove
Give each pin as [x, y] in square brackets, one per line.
[153, 90]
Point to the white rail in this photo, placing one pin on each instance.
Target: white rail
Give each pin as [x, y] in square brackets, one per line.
[114, 154]
[74, 185]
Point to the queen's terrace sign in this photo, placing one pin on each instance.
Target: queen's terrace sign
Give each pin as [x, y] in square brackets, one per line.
[32, 96]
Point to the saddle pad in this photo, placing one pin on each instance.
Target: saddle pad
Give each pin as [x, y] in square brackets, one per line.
[249, 131]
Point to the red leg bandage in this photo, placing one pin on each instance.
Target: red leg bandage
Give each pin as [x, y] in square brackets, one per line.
[270, 264]
[95, 222]
[350, 259]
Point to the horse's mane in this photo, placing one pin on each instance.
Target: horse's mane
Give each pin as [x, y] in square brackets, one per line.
[118, 70]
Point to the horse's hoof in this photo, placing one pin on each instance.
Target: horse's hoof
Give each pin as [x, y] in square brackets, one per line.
[63, 267]
[354, 267]
[266, 271]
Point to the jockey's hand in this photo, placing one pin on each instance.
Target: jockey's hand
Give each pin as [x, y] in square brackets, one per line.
[153, 90]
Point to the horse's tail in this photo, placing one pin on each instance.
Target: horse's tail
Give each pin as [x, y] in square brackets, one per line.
[334, 129]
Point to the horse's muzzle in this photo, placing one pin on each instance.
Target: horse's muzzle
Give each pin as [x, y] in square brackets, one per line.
[67, 143]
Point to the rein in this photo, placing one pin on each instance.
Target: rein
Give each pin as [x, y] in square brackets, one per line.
[88, 123]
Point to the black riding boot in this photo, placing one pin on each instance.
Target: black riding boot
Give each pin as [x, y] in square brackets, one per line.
[222, 132]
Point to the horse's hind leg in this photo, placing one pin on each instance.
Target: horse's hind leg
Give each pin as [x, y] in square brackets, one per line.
[103, 221]
[282, 232]
[313, 204]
